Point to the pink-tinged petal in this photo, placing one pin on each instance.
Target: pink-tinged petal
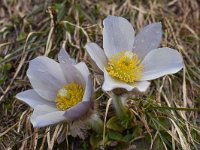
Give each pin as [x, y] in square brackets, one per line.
[77, 111]
[111, 83]
[147, 39]
[68, 67]
[118, 35]
[160, 62]
[88, 90]
[44, 115]
[31, 98]
[97, 54]
[83, 107]
[63, 57]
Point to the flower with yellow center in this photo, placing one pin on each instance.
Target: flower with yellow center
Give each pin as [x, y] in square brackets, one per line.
[125, 66]
[61, 91]
[129, 62]
[68, 96]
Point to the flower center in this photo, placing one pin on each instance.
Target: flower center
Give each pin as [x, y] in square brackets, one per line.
[70, 95]
[125, 66]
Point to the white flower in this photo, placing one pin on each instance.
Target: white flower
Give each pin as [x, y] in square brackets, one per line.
[61, 91]
[129, 62]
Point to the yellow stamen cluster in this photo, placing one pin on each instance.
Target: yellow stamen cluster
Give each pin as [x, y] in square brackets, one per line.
[125, 66]
[70, 95]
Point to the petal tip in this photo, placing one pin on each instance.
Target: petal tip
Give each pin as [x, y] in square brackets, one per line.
[17, 96]
[143, 88]
[112, 18]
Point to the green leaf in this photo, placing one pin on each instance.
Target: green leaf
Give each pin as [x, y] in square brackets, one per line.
[113, 135]
[127, 137]
[114, 124]
[95, 141]
[22, 36]
[5, 68]
[158, 145]
[61, 9]
[3, 79]
[126, 123]
[137, 131]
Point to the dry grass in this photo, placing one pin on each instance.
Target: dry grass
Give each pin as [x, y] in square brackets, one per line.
[32, 28]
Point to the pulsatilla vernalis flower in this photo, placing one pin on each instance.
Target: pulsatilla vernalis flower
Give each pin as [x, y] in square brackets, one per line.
[61, 91]
[127, 61]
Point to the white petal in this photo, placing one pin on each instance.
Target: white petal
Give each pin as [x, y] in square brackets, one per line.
[141, 86]
[160, 62]
[72, 75]
[33, 99]
[44, 115]
[46, 77]
[147, 39]
[111, 83]
[63, 57]
[97, 54]
[118, 35]
[83, 69]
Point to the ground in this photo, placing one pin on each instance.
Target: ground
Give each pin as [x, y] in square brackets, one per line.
[165, 117]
